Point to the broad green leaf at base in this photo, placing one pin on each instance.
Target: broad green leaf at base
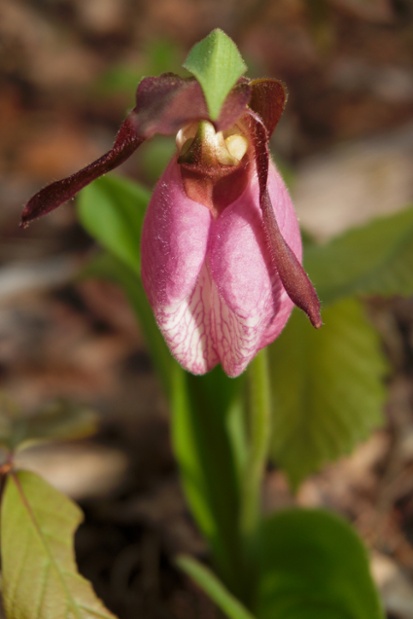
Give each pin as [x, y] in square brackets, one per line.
[40, 577]
[328, 390]
[313, 566]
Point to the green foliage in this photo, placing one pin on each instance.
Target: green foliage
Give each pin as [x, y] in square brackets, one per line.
[327, 388]
[111, 209]
[214, 588]
[205, 440]
[258, 422]
[59, 420]
[310, 565]
[374, 259]
[217, 65]
[313, 566]
[206, 410]
[40, 577]
[327, 393]
[107, 266]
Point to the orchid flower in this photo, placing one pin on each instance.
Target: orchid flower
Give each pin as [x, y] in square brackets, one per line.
[221, 248]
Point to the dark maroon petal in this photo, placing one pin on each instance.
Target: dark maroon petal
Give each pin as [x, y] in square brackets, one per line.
[161, 108]
[55, 194]
[268, 99]
[166, 103]
[234, 105]
[295, 280]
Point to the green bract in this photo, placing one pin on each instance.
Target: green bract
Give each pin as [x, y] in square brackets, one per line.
[217, 65]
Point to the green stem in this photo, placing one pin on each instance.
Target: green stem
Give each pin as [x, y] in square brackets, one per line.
[259, 421]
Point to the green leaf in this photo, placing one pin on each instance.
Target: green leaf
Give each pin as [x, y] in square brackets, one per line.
[313, 566]
[112, 209]
[40, 577]
[328, 392]
[213, 588]
[217, 65]
[206, 439]
[374, 259]
[107, 266]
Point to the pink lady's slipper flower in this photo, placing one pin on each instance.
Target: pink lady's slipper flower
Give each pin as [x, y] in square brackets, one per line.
[221, 248]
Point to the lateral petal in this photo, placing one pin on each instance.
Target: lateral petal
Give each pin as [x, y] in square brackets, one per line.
[55, 194]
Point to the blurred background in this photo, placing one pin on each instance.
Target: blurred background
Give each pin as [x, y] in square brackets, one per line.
[68, 74]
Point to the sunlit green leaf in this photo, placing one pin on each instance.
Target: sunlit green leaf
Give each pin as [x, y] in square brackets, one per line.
[374, 259]
[217, 64]
[313, 566]
[214, 588]
[112, 209]
[327, 386]
[40, 577]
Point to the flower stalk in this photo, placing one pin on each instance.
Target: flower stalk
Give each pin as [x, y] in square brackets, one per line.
[259, 430]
